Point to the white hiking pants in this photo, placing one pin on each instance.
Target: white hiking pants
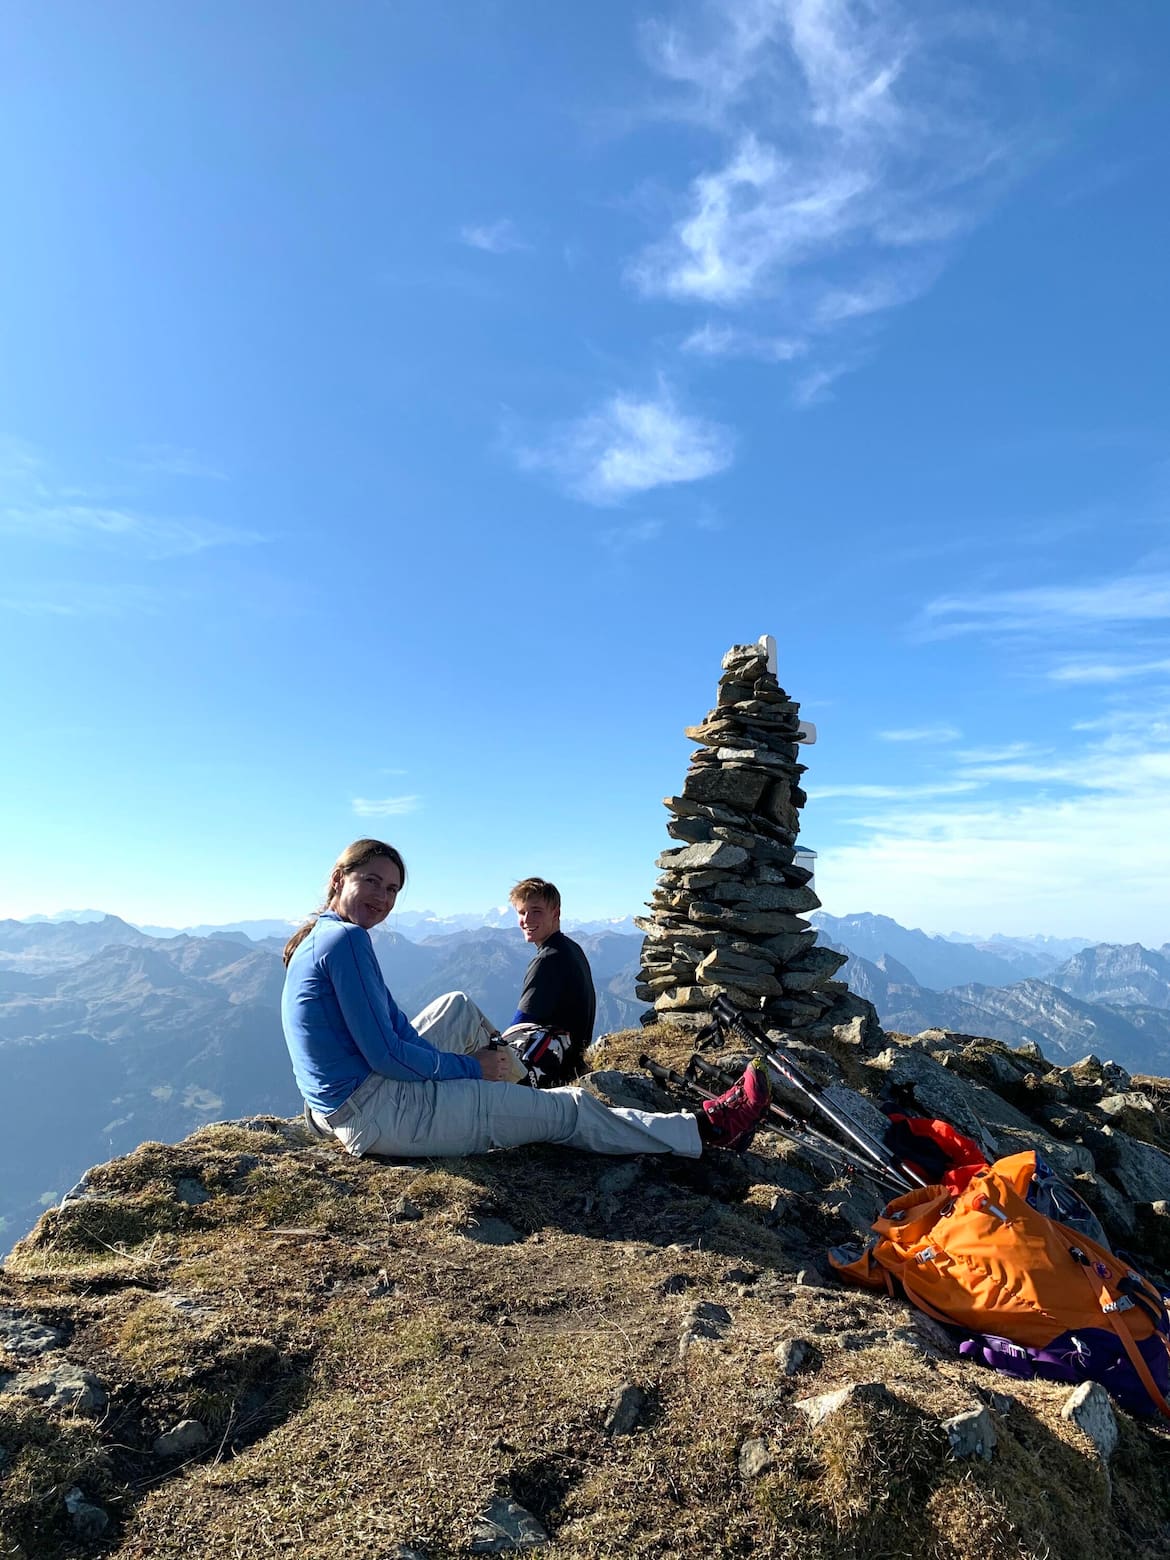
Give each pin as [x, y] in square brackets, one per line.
[469, 1115]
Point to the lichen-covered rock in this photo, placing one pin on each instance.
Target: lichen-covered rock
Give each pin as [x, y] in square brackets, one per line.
[625, 1409]
[706, 1320]
[22, 1336]
[939, 1092]
[971, 1433]
[817, 1409]
[755, 1458]
[506, 1526]
[87, 1520]
[182, 1439]
[1089, 1408]
[1141, 1170]
[65, 1387]
[793, 1355]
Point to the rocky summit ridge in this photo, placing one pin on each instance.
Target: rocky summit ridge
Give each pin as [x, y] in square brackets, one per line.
[248, 1343]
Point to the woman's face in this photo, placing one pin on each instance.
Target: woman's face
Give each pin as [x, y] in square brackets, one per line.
[365, 895]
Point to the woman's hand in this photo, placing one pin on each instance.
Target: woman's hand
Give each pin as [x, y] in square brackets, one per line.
[496, 1064]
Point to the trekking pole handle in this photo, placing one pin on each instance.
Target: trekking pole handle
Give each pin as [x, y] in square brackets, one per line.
[669, 1075]
[727, 1013]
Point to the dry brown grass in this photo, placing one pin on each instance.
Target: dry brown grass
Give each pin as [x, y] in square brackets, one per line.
[370, 1382]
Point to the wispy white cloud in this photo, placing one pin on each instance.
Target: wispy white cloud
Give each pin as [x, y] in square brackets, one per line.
[169, 460]
[844, 59]
[855, 148]
[155, 535]
[816, 385]
[893, 792]
[20, 462]
[1028, 866]
[1132, 725]
[713, 58]
[1107, 671]
[872, 294]
[385, 806]
[723, 341]
[36, 504]
[1049, 836]
[1045, 772]
[622, 539]
[631, 445]
[501, 237]
[921, 734]
[748, 220]
[1126, 753]
[1007, 752]
[1043, 609]
[73, 599]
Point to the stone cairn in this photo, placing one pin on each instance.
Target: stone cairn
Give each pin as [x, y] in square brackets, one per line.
[726, 914]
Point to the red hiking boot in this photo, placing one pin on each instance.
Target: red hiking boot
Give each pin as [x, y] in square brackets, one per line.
[730, 1120]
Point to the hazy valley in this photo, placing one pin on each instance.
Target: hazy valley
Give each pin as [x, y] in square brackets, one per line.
[110, 1037]
[115, 1036]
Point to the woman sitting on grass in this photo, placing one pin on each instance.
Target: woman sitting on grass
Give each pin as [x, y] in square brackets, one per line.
[382, 1085]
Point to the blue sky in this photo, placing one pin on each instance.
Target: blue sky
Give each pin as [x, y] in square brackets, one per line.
[404, 405]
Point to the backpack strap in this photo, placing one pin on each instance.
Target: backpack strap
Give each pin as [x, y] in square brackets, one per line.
[1114, 1318]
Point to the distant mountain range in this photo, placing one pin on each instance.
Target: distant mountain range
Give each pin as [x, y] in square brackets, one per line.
[414, 924]
[51, 944]
[1059, 947]
[941, 957]
[110, 1037]
[490, 964]
[127, 1039]
[114, 1036]
[420, 924]
[939, 962]
[1113, 1000]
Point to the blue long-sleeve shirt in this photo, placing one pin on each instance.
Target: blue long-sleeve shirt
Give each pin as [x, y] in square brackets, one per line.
[341, 1023]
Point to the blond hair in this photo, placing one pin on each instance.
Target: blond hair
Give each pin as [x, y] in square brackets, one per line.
[535, 888]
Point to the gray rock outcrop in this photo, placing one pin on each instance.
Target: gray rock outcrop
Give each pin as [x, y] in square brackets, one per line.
[506, 1526]
[1089, 1408]
[971, 1433]
[182, 1439]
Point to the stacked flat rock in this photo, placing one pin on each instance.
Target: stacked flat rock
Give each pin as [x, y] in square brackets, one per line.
[726, 915]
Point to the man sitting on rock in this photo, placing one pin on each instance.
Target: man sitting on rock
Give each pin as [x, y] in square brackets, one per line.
[557, 997]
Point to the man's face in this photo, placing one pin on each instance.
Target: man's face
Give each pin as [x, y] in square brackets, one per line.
[538, 921]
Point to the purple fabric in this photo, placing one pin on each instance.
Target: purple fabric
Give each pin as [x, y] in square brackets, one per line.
[1092, 1354]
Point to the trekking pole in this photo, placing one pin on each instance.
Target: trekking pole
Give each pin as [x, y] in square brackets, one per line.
[666, 1074]
[698, 1070]
[777, 1118]
[729, 1016]
[797, 1132]
[804, 1135]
